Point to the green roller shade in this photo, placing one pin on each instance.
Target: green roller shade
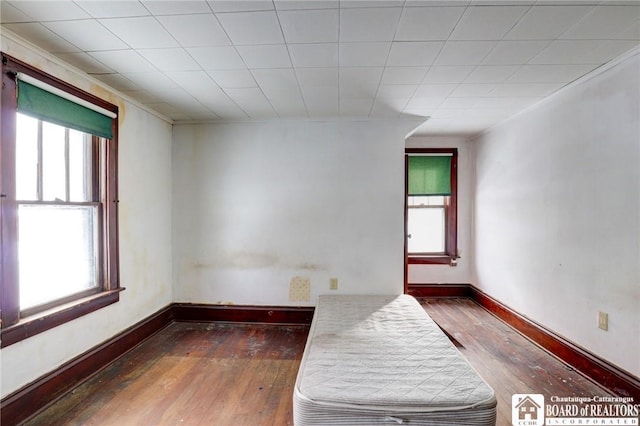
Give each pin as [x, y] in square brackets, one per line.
[430, 175]
[47, 106]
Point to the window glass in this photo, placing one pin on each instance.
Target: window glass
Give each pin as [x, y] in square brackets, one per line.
[57, 252]
[426, 225]
[26, 158]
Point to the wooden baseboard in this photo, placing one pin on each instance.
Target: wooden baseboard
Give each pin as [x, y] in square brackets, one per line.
[439, 290]
[29, 400]
[34, 397]
[601, 371]
[237, 313]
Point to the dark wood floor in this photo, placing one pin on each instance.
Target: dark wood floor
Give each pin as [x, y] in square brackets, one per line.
[220, 374]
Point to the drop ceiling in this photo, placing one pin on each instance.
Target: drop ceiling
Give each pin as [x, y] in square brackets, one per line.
[464, 64]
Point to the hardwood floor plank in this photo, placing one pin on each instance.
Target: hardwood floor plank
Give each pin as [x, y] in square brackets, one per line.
[235, 374]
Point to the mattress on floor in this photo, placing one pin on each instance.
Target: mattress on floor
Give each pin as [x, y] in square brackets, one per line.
[383, 360]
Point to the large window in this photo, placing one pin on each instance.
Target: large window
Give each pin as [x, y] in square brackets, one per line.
[431, 205]
[59, 202]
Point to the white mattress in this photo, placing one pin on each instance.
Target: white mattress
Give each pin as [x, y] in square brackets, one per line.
[383, 360]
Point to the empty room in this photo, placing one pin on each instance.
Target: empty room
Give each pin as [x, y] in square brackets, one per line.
[320, 212]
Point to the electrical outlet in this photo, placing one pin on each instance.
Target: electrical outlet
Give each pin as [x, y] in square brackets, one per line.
[603, 321]
[333, 283]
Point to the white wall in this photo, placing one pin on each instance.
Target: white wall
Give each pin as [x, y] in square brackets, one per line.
[557, 212]
[256, 204]
[463, 272]
[145, 236]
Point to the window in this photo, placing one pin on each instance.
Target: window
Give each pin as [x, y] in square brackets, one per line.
[431, 205]
[59, 202]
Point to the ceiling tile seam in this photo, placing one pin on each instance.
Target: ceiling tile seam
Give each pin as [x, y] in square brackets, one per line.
[386, 62]
[235, 48]
[292, 68]
[197, 62]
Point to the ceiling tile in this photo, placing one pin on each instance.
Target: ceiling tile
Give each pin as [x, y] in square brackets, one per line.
[487, 22]
[547, 22]
[525, 89]
[140, 33]
[403, 75]
[310, 26]
[123, 60]
[253, 102]
[473, 90]
[233, 79]
[491, 74]
[359, 82]
[427, 23]
[43, 37]
[435, 90]
[195, 30]
[355, 107]
[387, 107]
[182, 7]
[117, 81]
[605, 22]
[582, 51]
[398, 91]
[306, 4]
[514, 52]
[417, 103]
[200, 85]
[51, 10]
[549, 73]
[447, 74]
[289, 106]
[368, 24]
[217, 58]
[364, 54]
[413, 53]
[457, 103]
[87, 34]
[277, 83]
[172, 59]
[86, 63]
[317, 76]
[464, 52]
[220, 6]
[351, 4]
[151, 81]
[320, 94]
[265, 56]
[113, 8]
[318, 55]
[250, 28]
[9, 14]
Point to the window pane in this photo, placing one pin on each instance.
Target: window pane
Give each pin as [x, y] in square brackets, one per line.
[426, 227]
[26, 158]
[79, 166]
[53, 162]
[57, 252]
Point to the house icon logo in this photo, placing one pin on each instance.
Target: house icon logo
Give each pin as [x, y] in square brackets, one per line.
[527, 409]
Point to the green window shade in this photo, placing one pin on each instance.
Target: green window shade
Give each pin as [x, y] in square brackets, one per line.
[430, 175]
[47, 106]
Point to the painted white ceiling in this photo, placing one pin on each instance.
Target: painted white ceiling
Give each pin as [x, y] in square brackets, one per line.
[464, 64]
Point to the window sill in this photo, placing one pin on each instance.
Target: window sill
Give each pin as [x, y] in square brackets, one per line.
[432, 260]
[35, 324]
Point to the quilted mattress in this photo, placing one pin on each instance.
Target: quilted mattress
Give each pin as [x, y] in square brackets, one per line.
[382, 360]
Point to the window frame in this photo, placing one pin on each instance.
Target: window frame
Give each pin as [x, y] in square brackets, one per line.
[450, 254]
[15, 326]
